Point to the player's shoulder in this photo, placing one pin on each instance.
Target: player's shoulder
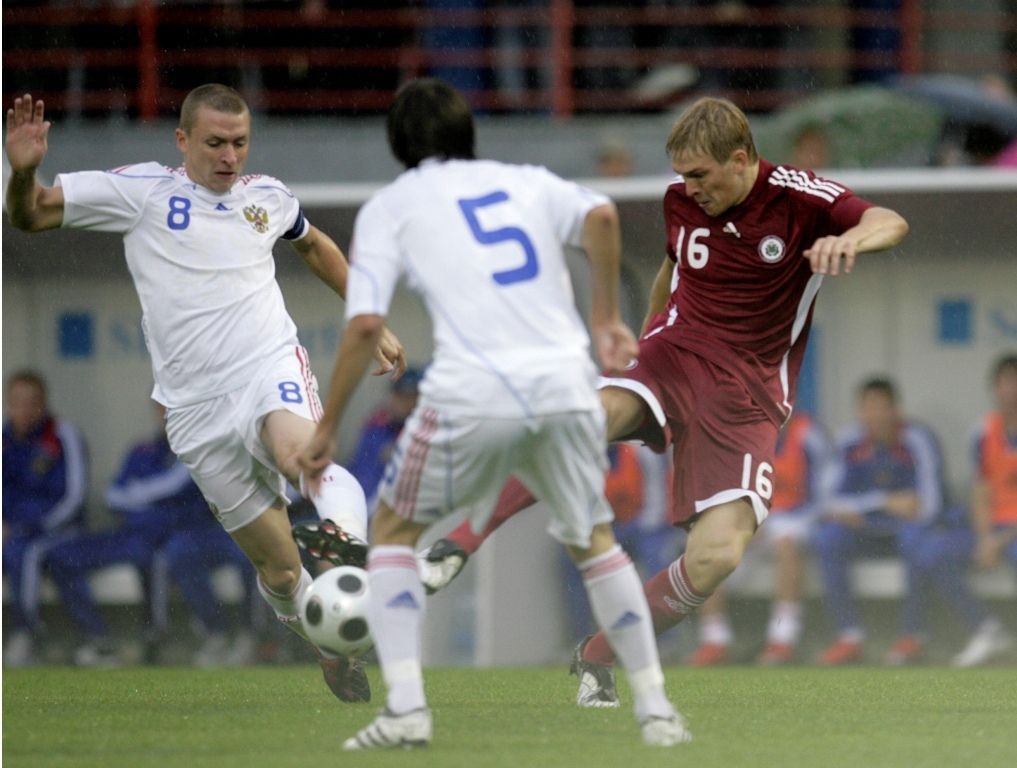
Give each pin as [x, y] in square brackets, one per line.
[920, 435]
[850, 436]
[151, 171]
[262, 184]
[800, 184]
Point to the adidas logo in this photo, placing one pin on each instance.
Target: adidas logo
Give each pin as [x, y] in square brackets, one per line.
[627, 620]
[403, 600]
[221, 207]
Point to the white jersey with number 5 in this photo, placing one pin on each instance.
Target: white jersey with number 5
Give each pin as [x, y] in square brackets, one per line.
[203, 268]
[482, 243]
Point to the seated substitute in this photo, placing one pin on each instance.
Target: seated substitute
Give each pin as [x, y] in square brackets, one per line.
[885, 496]
[45, 485]
[162, 518]
[994, 500]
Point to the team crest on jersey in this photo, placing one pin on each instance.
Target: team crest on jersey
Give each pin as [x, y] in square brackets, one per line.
[771, 249]
[258, 217]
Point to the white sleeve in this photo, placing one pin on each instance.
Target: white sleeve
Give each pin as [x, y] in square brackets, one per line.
[567, 204]
[103, 200]
[375, 262]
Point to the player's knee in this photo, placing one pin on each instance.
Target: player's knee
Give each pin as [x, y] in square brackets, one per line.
[714, 562]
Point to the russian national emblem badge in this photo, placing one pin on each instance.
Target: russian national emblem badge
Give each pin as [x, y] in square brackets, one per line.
[258, 217]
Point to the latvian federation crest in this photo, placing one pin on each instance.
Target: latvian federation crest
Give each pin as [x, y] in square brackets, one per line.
[771, 249]
[258, 217]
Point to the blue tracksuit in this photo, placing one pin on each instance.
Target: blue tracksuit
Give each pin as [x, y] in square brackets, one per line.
[44, 489]
[165, 519]
[374, 449]
[861, 477]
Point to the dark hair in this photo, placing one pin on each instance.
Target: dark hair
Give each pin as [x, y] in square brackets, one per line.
[1007, 362]
[881, 385]
[430, 118]
[220, 98]
[30, 377]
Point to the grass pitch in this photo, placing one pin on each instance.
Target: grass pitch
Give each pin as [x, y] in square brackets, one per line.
[284, 716]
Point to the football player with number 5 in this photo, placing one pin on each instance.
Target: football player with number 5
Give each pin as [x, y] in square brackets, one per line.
[748, 246]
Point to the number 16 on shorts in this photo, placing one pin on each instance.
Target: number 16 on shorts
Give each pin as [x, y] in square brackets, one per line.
[760, 481]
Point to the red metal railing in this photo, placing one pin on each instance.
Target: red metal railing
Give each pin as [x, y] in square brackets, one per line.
[175, 47]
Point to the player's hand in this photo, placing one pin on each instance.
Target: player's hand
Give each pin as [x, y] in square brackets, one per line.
[827, 253]
[615, 345]
[27, 133]
[314, 457]
[390, 355]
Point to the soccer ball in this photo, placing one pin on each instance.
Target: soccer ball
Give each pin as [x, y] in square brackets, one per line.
[334, 611]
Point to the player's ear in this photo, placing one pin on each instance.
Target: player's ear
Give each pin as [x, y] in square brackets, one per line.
[739, 160]
[181, 140]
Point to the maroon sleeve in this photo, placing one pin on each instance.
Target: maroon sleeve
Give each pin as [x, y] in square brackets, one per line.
[847, 211]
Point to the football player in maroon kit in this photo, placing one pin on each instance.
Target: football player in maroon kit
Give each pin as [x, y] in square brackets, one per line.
[748, 246]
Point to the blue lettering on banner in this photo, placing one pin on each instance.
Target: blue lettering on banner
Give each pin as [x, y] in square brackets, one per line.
[955, 321]
[75, 334]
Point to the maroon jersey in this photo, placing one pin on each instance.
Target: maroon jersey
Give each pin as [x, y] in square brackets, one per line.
[742, 294]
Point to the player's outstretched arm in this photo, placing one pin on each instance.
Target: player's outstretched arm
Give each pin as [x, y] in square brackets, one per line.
[613, 341]
[326, 260]
[878, 229]
[353, 357]
[30, 206]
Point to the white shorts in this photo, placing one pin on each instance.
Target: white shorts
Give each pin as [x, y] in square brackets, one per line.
[219, 440]
[444, 462]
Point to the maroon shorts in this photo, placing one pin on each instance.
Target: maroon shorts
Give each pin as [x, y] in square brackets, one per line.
[723, 442]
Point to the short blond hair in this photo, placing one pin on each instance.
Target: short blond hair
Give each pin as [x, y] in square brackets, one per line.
[215, 96]
[713, 127]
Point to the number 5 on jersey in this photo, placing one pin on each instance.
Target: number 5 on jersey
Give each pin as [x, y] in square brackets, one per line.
[529, 268]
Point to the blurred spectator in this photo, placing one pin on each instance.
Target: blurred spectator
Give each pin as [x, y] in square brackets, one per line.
[163, 517]
[875, 39]
[885, 497]
[802, 452]
[379, 433]
[994, 497]
[812, 148]
[45, 485]
[455, 38]
[514, 43]
[637, 486]
[614, 158]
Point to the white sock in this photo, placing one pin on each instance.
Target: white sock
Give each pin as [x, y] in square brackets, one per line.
[287, 607]
[341, 500]
[395, 614]
[785, 623]
[619, 605]
[715, 630]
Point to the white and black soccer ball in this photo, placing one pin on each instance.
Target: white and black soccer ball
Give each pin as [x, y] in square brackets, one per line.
[334, 611]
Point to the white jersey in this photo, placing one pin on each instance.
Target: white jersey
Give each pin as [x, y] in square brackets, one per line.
[203, 268]
[481, 242]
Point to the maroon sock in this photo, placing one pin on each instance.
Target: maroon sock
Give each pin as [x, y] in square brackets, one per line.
[514, 498]
[671, 597]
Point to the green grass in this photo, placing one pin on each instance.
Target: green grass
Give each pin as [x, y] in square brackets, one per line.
[284, 716]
